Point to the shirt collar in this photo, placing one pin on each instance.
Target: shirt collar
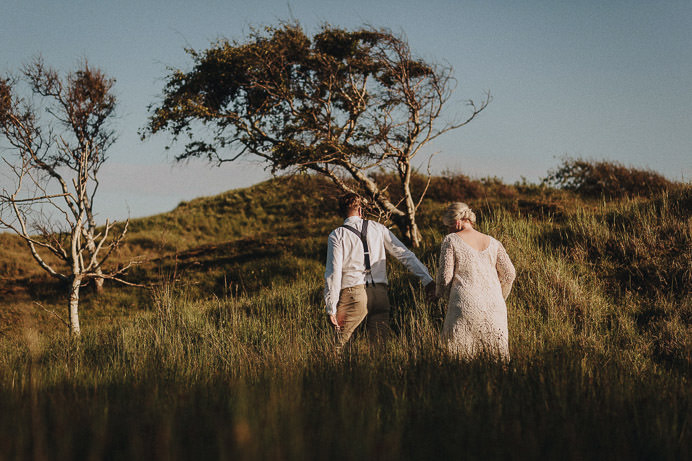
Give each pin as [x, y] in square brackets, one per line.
[353, 220]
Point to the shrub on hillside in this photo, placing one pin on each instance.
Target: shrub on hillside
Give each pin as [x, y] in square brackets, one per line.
[448, 187]
[607, 179]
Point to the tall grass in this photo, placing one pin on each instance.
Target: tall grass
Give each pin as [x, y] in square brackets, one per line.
[244, 378]
[231, 356]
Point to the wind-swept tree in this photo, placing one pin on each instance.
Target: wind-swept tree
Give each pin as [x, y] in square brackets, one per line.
[55, 140]
[344, 104]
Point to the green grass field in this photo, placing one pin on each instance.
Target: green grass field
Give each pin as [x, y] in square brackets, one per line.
[229, 355]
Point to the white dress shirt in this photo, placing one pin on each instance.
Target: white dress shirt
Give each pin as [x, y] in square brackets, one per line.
[346, 260]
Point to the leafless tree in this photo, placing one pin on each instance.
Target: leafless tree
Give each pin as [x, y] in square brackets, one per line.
[55, 143]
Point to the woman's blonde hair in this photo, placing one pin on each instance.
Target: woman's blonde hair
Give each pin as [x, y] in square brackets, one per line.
[458, 211]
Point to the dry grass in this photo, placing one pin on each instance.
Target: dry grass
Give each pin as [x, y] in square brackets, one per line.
[230, 356]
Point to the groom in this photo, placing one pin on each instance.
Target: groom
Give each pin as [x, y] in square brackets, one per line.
[356, 273]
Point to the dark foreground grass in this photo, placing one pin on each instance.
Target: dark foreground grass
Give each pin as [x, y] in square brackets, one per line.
[358, 407]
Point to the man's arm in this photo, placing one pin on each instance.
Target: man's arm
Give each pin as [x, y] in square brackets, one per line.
[397, 249]
[332, 275]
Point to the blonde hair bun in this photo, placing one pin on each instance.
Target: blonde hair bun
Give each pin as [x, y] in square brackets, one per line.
[458, 211]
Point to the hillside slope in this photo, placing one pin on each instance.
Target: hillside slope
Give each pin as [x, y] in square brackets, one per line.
[573, 255]
[228, 355]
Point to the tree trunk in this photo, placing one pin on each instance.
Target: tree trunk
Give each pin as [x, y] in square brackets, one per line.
[91, 246]
[98, 282]
[409, 229]
[404, 220]
[412, 232]
[74, 305]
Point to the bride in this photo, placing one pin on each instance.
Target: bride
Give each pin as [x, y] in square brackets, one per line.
[475, 276]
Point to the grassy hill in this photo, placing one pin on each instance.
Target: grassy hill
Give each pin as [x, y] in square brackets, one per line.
[228, 354]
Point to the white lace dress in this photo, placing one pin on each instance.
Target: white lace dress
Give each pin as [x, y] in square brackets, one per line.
[475, 284]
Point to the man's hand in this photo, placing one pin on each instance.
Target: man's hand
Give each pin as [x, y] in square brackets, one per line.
[430, 292]
[334, 321]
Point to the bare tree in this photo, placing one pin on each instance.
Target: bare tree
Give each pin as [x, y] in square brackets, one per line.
[57, 139]
[345, 104]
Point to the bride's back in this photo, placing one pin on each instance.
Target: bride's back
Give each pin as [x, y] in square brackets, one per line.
[476, 240]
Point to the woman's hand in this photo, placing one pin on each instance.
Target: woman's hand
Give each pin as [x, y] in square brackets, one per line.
[334, 321]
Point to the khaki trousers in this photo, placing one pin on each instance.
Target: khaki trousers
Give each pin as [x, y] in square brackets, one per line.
[361, 302]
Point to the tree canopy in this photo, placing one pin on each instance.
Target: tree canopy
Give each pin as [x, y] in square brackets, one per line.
[342, 103]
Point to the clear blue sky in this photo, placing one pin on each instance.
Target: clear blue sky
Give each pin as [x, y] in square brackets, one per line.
[595, 79]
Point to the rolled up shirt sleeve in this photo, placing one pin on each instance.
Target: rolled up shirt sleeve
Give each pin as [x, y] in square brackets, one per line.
[332, 274]
[397, 249]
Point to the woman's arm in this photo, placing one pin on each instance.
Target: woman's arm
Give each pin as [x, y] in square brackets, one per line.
[445, 270]
[505, 271]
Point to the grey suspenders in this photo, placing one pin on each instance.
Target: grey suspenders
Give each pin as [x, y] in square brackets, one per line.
[363, 235]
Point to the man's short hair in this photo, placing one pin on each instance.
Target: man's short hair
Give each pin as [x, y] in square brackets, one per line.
[349, 202]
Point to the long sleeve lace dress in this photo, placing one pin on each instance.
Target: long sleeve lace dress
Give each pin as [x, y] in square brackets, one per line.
[476, 285]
